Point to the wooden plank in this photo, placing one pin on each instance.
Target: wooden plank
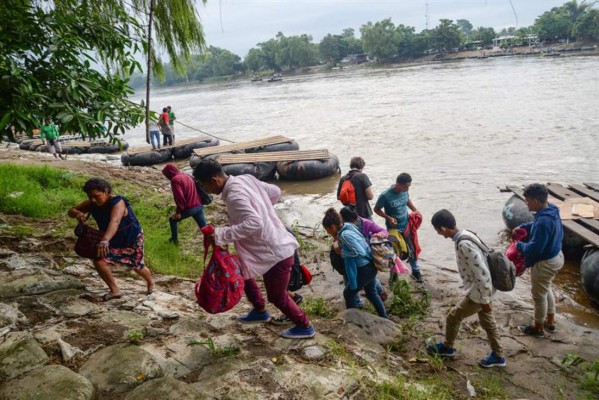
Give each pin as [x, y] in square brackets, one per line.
[517, 190]
[590, 223]
[581, 231]
[179, 143]
[561, 192]
[274, 156]
[583, 190]
[592, 185]
[265, 141]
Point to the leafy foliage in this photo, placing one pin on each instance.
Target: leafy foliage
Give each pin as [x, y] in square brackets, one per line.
[405, 304]
[379, 40]
[68, 61]
[570, 20]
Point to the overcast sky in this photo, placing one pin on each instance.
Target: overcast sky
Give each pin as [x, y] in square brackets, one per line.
[238, 25]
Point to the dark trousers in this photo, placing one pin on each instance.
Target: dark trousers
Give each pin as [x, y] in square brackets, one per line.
[367, 281]
[196, 213]
[167, 139]
[276, 281]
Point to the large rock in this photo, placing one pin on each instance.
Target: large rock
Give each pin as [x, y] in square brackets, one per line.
[120, 368]
[18, 261]
[20, 353]
[180, 356]
[164, 389]
[29, 282]
[9, 315]
[128, 319]
[369, 327]
[49, 382]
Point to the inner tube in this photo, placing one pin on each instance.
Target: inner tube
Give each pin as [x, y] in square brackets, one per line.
[185, 151]
[589, 275]
[286, 146]
[107, 148]
[515, 212]
[25, 145]
[147, 158]
[264, 171]
[308, 169]
[75, 149]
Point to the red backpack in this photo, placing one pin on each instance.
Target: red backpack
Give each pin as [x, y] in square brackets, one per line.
[347, 193]
[221, 286]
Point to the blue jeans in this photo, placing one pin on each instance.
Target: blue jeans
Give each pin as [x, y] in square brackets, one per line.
[196, 213]
[366, 280]
[155, 135]
[414, 265]
[379, 286]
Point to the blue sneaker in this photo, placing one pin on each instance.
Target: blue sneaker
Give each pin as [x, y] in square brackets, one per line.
[255, 317]
[492, 360]
[299, 333]
[441, 350]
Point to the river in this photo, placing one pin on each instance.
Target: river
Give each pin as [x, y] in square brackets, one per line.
[461, 129]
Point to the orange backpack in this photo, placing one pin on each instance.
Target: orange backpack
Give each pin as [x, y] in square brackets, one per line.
[347, 194]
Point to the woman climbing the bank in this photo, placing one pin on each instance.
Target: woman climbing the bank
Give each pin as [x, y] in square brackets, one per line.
[123, 239]
[359, 269]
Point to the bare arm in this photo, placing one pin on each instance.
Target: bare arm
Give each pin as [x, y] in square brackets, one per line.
[116, 214]
[369, 193]
[411, 206]
[379, 211]
[80, 210]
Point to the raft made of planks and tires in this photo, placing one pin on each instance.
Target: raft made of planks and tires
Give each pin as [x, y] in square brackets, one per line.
[180, 150]
[291, 165]
[76, 146]
[579, 212]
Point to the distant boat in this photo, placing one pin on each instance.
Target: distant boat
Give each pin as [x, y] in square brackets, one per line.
[257, 79]
[275, 79]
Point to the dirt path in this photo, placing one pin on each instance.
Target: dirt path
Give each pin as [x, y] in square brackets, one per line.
[534, 369]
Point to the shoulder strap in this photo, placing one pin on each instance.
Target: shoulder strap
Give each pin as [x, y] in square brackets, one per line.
[480, 245]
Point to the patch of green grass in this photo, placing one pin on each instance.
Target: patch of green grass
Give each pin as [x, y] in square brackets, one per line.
[215, 350]
[46, 192]
[340, 352]
[402, 389]
[587, 372]
[317, 307]
[135, 336]
[406, 304]
[491, 386]
[38, 192]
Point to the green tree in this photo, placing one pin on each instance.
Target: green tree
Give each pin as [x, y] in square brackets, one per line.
[587, 26]
[559, 22]
[350, 43]
[379, 40]
[269, 51]
[446, 36]
[176, 26]
[295, 51]
[254, 60]
[465, 27]
[330, 48]
[486, 35]
[511, 31]
[68, 60]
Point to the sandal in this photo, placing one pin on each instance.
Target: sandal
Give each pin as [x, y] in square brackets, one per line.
[109, 296]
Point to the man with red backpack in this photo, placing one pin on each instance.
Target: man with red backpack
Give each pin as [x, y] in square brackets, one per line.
[264, 246]
[355, 189]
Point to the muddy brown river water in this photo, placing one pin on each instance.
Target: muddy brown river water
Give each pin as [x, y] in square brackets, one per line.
[461, 129]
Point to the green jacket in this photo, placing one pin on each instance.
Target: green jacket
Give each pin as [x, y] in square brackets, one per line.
[171, 118]
[49, 132]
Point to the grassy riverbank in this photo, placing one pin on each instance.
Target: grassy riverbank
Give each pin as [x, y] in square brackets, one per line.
[45, 193]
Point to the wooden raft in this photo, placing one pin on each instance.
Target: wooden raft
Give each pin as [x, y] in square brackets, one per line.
[579, 208]
[179, 143]
[275, 156]
[265, 141]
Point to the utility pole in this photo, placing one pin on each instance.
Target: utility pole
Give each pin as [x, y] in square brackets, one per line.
[149, 70]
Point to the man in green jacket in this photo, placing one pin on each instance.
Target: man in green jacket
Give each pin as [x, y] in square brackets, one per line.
[171, 121]
[49, 135]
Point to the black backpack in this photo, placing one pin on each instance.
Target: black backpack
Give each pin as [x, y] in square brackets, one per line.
[503, 271]
[205, 197]
[337, 262]
[296, 279]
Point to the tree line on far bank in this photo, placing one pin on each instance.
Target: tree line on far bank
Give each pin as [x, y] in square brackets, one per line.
[383, 41]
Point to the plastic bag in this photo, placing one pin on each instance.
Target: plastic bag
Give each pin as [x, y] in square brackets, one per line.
[512, 251]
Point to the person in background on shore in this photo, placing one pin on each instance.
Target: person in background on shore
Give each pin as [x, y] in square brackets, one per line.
[360, 272]
[49, 135]
[164, 123]
[154, 134]
[123, 239]
[362, 188]
[171, 121]
[393, 206]
[476, 276]
[263, 244]
[186, 198]
[367, 228]
[543, 254]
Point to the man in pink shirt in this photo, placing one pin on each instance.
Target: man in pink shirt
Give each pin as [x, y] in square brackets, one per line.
[263, 245]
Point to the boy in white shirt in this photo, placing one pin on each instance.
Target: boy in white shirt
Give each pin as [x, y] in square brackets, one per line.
[475, 273]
